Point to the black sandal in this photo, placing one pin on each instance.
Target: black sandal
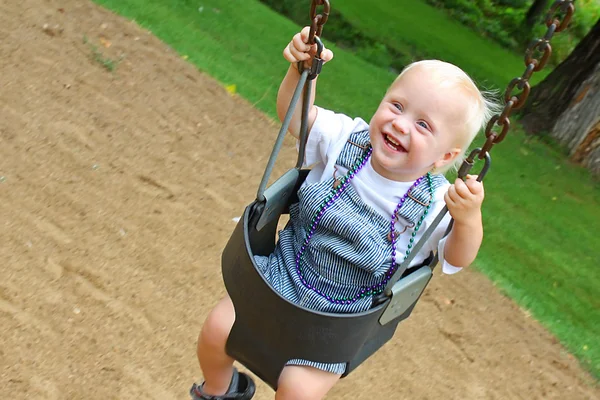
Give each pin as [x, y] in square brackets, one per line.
[242, 387]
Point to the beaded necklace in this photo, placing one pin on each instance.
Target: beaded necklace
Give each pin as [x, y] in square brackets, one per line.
[339, 187]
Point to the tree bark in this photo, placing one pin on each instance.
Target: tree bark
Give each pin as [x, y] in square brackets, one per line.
[566, 105]
[578, 127]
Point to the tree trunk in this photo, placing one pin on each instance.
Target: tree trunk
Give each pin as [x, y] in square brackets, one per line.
[566, 104]
[534, 13]
[578, 127]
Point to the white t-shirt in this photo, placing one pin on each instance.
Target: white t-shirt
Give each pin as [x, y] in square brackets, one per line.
[325, 142]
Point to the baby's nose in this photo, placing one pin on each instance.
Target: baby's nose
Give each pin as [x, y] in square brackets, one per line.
[401, 125]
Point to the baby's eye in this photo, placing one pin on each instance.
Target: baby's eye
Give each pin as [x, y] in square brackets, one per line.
[398, 106]
[424, 125]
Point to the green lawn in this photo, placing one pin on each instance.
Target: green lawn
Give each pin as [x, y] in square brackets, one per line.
[541, 213]
[413, 27]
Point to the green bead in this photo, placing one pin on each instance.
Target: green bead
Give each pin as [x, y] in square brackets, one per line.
[412, 240]
[410, 246]
[414, 233]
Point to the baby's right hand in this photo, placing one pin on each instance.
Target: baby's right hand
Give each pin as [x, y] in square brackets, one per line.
[297, 50]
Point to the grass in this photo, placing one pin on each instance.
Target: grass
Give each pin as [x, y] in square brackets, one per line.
[426, 32]
[541, 213]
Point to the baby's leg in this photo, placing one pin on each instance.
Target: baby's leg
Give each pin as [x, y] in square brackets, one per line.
[216, 365]
[299, 382]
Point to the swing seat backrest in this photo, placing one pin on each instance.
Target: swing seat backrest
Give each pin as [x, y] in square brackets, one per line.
[269, 330]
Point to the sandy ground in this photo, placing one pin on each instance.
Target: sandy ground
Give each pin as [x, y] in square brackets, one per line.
[117, 194]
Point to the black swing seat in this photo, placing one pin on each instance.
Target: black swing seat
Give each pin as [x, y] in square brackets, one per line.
[270, 330]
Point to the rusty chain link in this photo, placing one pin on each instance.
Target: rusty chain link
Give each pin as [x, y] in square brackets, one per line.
[317, 20]
[314, 36]
[514, 101]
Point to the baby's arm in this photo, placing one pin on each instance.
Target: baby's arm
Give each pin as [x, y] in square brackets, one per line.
[464, 201]
[297, 50]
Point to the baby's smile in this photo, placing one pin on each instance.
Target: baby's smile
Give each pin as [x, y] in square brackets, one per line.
[393, 143]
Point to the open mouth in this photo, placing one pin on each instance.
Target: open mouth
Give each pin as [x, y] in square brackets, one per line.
[391, 142]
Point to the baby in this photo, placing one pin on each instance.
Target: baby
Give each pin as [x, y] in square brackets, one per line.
[373, 189]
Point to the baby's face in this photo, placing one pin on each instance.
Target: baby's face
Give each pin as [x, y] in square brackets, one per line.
[416, 126]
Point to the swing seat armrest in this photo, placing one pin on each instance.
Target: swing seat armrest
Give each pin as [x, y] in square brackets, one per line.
[405, 294]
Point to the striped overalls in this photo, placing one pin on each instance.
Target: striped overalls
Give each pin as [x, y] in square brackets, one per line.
[348, 250]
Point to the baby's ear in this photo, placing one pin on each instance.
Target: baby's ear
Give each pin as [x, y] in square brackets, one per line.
[448, 158]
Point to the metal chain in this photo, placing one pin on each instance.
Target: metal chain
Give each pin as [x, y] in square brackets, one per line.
[317, 20]
[314, 36]
[499, 124]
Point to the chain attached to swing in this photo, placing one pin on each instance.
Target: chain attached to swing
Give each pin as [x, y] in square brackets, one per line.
[318, 20]
[500, 122]
[316, 29]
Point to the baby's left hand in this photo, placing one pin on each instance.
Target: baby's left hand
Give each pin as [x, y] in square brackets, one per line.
[464, 199]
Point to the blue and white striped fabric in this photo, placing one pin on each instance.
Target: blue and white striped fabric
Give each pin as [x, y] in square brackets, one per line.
[349, 249]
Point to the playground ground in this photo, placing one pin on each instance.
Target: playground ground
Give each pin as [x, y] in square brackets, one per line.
[117, 194]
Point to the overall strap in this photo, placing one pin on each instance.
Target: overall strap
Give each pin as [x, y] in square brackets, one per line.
[355, 146]
[419, 198]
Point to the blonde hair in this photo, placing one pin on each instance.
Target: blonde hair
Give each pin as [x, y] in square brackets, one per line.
[483, 102]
